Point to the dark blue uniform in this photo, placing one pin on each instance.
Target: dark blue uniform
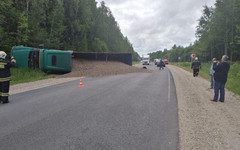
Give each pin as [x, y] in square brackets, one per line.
[195, 66]
[5, 77]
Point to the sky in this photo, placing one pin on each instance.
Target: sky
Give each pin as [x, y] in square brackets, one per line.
[154, 25]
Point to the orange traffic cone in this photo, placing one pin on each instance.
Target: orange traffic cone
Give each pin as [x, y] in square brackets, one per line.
[80, 83]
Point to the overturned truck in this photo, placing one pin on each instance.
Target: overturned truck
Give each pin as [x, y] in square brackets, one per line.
[59, 61]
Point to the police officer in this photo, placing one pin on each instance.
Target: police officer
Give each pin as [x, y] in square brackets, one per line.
[195, 66]
[5, 76]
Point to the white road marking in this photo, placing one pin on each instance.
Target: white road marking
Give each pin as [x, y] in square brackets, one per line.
[169, 88]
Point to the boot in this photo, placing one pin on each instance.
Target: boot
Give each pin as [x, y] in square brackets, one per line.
[5, 100]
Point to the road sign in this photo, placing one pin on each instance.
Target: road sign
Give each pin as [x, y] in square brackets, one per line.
[193, 55]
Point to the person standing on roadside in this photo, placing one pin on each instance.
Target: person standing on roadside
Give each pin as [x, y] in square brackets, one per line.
[196, 65]
[220, 78]
[161, 65]
[211, 73]
[5, 76]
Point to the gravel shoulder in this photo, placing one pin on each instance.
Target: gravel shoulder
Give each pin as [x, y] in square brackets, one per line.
[23, 87]
[202, 124]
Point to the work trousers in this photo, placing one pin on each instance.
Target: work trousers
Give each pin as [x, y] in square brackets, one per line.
[218, 86]
[161, 67]
[212, 81]
[195, 72]
[4, 91]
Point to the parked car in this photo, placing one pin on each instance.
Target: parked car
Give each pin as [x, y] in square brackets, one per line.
[165, 61]
[158, 64]
[156, 61]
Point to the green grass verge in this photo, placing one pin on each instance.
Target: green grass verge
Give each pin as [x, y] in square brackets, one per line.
[233, 80]
[22, 75]
[134, 62]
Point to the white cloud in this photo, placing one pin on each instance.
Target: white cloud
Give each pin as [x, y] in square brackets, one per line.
[153, 25]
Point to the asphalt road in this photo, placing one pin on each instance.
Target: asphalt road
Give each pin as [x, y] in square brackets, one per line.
[125, 112]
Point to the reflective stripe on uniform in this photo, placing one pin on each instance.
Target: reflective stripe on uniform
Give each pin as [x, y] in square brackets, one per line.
[5, 79]
[4, 94]
[2, 65]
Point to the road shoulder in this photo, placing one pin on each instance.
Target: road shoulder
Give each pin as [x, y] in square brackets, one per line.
[204, 124]
[23, 87]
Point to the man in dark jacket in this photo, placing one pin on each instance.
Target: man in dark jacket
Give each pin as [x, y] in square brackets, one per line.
[161, 64]
[220, 78]
[5, 76]
[195, 66]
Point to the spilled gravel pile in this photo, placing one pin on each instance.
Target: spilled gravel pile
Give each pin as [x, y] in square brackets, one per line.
[86, 68]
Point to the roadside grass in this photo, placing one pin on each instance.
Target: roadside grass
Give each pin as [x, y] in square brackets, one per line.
[22, 75]
[134, 62]
[233, 80]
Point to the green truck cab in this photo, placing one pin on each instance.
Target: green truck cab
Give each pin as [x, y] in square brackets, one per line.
[56, 61]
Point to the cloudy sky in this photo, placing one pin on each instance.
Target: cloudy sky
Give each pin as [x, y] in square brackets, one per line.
[153, 25]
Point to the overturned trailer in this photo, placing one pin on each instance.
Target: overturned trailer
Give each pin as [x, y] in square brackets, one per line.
[120, 57]
[59, 61]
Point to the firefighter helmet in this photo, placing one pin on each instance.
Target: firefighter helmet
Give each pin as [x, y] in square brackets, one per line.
[3, 54]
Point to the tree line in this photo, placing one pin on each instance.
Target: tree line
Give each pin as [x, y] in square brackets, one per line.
[77, 25]
[217, 33]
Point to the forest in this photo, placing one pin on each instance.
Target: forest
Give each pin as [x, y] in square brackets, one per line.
[77, 25]
[217, 33]
[80, 25]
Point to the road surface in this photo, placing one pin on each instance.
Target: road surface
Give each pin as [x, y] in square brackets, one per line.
[124, 112]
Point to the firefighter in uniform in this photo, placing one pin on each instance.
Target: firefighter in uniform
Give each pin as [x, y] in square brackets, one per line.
[196, 65]
[5, 76]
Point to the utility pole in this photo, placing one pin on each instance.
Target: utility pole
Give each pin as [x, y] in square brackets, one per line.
[232, 45]
[27, 8]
